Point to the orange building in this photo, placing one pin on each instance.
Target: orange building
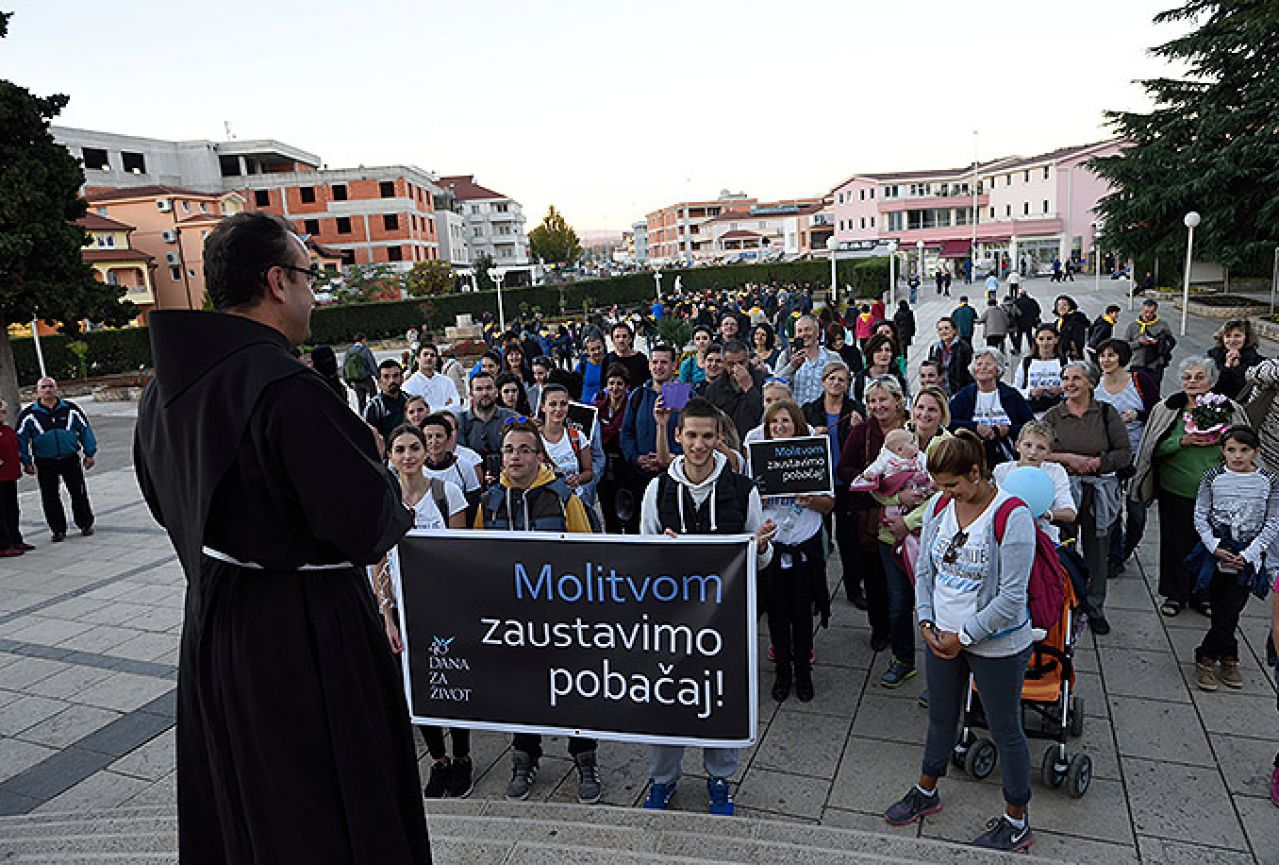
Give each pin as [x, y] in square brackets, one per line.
[169, 224]
[109, 251]
[380, 215]
[675, 231]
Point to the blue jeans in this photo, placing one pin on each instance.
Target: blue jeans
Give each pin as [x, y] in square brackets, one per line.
[999, 682]
[901, 607]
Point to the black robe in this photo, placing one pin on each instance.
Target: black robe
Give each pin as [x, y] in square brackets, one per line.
[293, 740]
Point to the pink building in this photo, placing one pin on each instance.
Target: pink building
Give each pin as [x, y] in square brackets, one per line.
[1027, 211]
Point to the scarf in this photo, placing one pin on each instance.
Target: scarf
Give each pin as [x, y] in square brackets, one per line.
[1111, 319]
[1146, 324]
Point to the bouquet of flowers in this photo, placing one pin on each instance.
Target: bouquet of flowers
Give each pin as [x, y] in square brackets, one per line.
[1210, 416]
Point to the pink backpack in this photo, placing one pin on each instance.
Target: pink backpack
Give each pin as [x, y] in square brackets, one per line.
[1046, 590]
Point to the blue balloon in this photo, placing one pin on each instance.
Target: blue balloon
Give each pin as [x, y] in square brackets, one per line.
[1033, 486]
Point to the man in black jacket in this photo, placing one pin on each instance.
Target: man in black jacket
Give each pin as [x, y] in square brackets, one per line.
[739, 391]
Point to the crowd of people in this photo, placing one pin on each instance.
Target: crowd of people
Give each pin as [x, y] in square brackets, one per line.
[1083, 403]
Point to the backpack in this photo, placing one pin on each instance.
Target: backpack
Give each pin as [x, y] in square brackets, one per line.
[440, 496]
[353, 369]
[1046, 589]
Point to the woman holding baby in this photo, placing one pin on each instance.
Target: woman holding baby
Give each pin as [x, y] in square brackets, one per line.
[888, 590]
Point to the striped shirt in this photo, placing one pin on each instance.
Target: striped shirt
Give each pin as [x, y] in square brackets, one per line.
[1243, 506]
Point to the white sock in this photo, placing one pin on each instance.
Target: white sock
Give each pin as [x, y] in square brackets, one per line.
[925, 792]
[1016, 824]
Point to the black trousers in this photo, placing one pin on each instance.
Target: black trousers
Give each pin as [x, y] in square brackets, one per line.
[845, 534]
[10, 536]
[790, 601]
[68, 471]
[531, 744]
[1228, 600]
[1177, 537]
[434, 739]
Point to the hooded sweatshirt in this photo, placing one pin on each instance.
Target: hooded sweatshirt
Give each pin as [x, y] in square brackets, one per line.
[650, 521]
[526, 506]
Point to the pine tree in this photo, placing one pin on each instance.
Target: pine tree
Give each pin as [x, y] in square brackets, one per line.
[42, 271]
[1211, 144]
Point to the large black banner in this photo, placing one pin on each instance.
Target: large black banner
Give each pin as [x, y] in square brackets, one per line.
[651, 640]
[793, 467]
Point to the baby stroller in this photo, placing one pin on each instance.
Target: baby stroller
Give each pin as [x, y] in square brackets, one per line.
[1048, 701]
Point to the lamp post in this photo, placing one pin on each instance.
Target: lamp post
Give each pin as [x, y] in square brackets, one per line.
[1274, 281]
[496, 276]
[892, 276]
[657, 278]
[1191, 220]
[831, 245]
[919, 250]
[972, 249]
[35, 338]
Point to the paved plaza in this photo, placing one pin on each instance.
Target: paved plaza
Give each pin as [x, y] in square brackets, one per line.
[89, 632]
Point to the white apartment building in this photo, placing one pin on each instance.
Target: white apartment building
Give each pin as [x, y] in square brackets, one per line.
[494, 226]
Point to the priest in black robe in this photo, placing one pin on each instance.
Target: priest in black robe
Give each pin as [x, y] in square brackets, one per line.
[293, 738]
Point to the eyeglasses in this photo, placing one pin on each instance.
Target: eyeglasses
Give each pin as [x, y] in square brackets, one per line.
[312, 273]
[951, 555]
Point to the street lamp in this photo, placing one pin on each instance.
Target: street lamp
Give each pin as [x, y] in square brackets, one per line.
[919, 249]
[892, 273]
[496, 276]
[657, 278]
[831, 245]
[1191, 220]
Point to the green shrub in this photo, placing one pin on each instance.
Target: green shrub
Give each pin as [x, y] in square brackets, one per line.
[109, 352]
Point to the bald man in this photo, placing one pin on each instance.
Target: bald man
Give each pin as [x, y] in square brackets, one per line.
[52, 434]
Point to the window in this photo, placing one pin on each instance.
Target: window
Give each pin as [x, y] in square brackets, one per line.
[1025, 208]
[386, 189]
[863, 222]
[992, 213]
[861, 195]
[102, 211]
[839, 199]
[95, 158]
[872, 222]
[841, 225]
[175, 273]
[1008, 180]
[1045, 205]
[391, 221]
[262, 197]
[895, 221]
[1008, 210]
[311, 226]
[394, 253]
[477, 231]
[134, 163]
[1045, 172]
[204, 208]
[339, 192]
[186, 206]
[307, 193]
[502, 208]
[872, 193]
[1026, 176]
[344, 225]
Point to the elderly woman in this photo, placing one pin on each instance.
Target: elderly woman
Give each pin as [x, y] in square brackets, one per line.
[1234, 354]
[990, 408]
[1264, 379]
[889, 595]
[834, 414]
[1170, 465]
[1091, 443]
[1133, 394]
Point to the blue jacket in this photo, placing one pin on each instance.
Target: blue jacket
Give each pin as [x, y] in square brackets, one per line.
[964, 403]
[55, 433]
[639, 430]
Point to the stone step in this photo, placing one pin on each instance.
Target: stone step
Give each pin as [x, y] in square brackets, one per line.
[477, 832]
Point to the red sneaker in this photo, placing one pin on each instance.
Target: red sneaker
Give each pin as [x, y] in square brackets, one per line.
[10, 553]
[26, 548]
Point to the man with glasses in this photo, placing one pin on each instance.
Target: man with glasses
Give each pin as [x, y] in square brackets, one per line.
[480, 426]
[437, 389]
[294, 744]
[529, 497]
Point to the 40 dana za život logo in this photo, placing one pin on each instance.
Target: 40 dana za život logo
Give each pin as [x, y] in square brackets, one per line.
[441, 665]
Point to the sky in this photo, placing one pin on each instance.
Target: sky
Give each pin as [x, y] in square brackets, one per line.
[607, 109]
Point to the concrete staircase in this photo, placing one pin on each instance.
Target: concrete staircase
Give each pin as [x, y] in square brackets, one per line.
[473, 832]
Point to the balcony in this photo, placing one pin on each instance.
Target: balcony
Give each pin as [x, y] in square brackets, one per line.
[889, 205]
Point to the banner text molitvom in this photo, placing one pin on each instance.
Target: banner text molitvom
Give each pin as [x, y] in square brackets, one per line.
[651, 640]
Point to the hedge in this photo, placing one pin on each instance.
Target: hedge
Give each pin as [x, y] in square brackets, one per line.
[110, 352]
[128, 349]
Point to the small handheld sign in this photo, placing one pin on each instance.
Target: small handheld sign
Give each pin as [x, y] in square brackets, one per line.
[793, 467]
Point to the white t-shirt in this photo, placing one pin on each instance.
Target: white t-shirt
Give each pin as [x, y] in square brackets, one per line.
[957, 582]
[461, 473]
[794, 523]
[439, 391]
[990, 410]
[1038, 373]
[426, 514]
[1062, 497]
[564, 457]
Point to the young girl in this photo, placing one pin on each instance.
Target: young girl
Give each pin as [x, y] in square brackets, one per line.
[569, 450]
[1033, 447]
[1039, 374]
[1237, 518]
[798, 566]
[425, 496]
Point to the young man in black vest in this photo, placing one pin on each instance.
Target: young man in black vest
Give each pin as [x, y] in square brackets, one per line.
[528, 497]
[700, 495]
